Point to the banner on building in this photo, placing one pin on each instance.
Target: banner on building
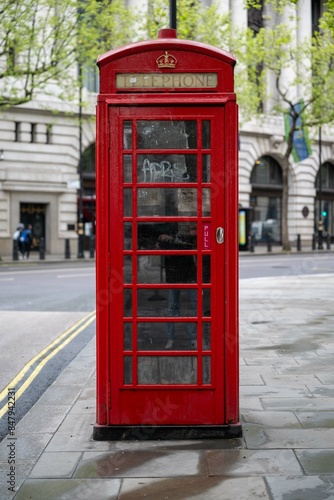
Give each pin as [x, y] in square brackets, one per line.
[301, 144]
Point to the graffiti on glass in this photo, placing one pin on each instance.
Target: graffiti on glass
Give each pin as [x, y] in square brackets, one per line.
[164, 171]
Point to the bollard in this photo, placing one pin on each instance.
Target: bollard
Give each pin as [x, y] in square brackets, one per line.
[328, 241]
[269, 242]
[299, 243]
[251, 243]
[314, 239]
[42, 248]
[67, 249]
[15, 250]
[92, 247]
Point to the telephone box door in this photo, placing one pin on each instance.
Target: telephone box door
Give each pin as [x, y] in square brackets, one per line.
[170, 355]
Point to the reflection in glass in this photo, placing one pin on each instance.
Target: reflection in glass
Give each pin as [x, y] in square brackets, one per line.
[206, 302]
[154, 336]
[167, 369]
[127, 303]
[206, 136]
[206, 371]
[206, 337]
[128, 269]
[166, 168]
[127, 370]
[166, 134]
[167, 236]
[206, 202]
[206, 269]
[127, 135]
[172, 302]
[127, 202]
[127, 337]
[127, 236]
[150, 269]
[206, 168]
[127, 168]
[167, 202]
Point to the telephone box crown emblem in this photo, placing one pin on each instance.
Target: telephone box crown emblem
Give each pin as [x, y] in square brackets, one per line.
[166, 60]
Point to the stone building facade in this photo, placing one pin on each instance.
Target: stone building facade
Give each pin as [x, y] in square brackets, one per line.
[40, 157]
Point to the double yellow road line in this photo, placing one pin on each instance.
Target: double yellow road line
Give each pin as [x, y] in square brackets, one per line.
[36, 364]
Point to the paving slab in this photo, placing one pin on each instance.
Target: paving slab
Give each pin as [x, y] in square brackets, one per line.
[144, 463]
[301, 487]
[197, 488]
[252, 462]
[317, 462]
[69, 489]
[269, 438]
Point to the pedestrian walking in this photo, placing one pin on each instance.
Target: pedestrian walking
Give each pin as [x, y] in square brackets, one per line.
[26, 239]
[18, 244]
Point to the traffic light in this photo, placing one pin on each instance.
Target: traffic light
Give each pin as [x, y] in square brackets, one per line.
[324, 213]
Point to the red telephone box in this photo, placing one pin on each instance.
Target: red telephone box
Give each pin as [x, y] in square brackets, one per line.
[167, 246]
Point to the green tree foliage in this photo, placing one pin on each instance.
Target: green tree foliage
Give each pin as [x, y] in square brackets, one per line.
[194, 22]
[37, 46]
[43, 41]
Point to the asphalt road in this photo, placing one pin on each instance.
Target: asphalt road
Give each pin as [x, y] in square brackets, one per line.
[257, 266]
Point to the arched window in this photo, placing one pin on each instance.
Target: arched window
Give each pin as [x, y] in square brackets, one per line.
[324, 202]
[267, 171]
[266, 199]
[88, 159]
[88, 171]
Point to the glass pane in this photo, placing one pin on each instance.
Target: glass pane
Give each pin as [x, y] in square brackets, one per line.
[127, 303]
[206, 372]
[167, 201]
[127, 337]
[179, 336]
[206, 168]
[206, 202]
[206, 136]
[165, 269]
[206, 337]
[167, 370]
[206, 302]
[169, 302]
[127, 202]
[151, 269]
[267, 218]
[127, 135]
[127, 168]
[167, 236]
[166, 168]
[206, 269]
[127, 370]
[128, 269]
[127, 236]
[166, 134]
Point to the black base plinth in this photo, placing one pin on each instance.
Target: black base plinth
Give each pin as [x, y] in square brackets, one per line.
[167, 432]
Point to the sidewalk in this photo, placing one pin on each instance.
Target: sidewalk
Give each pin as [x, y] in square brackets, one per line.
[258, 250]
[287, 408]
[34, 258]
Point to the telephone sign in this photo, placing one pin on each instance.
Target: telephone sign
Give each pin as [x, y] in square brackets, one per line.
[167, 242]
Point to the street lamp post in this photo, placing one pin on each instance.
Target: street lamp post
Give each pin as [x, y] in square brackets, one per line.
[80, 205]
[320, 223]
[172, 14]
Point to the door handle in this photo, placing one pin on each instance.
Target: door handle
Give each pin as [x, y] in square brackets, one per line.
[220, 235]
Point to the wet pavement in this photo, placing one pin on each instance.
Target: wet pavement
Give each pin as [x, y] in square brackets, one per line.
[287, 411]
